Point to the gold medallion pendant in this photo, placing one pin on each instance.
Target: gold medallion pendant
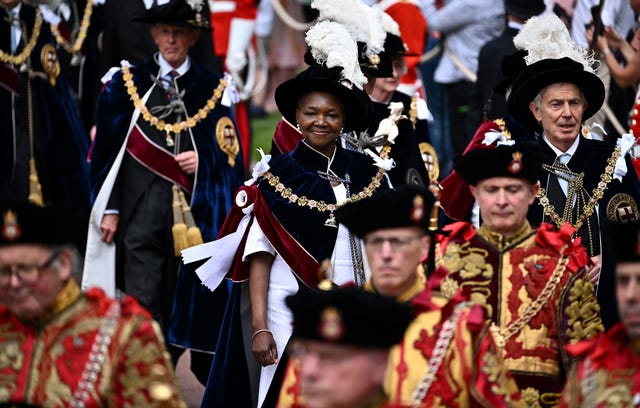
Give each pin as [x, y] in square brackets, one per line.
[50, 63]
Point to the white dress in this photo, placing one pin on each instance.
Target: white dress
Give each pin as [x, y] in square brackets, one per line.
[283, 283]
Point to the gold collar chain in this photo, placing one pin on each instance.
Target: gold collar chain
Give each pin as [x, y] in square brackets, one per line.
[589, 207]
[26, 52]
[321, 205]
[502, 335]
[82, 33]
[161, 125]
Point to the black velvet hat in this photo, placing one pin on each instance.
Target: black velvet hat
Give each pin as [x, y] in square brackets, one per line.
[538, 75]
[408, 205]
[511, 66]
[320, 78]
[348, 316]
[176, 12]
[624, 240]
[524, 9]
[26, 223]
[521, 160]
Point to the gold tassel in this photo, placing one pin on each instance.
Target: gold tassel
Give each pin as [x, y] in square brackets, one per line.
[35, 189]
[433, 219]
[179, 229]
[193, 232]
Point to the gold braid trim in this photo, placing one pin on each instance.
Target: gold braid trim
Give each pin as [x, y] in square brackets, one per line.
[322, 206]
[161, 125]
[82, 33]
[26, 52]
[589, 207]
[501, 336]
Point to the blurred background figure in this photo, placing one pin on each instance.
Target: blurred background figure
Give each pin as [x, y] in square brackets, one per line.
[608, 366]
[43, 143]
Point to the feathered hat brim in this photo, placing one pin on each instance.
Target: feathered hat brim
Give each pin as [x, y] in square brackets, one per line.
[319, 78]
[545, 72]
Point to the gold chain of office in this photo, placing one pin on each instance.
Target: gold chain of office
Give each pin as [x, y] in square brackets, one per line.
[501, 336]
[589, 207]
[82, 32]
[26, 52]
[321, 205]
[161, 125]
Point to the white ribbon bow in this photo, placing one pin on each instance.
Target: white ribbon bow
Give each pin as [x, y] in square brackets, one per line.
[230, 96]
[493, 135]
[260, 168]
[625, 143]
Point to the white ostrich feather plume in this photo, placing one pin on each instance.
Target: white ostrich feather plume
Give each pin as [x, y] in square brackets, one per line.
[332, 46]
[390, 25]
[547, 37]
[364, 23]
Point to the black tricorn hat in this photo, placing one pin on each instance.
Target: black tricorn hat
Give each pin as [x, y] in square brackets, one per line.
[320, 78]
[538, 75]
[520, 160]
[524, 9]
[26, 223]
[349, 316]
[408, 205]
[176, 12]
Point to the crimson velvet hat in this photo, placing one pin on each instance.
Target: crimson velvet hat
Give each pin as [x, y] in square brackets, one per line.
[348, 316]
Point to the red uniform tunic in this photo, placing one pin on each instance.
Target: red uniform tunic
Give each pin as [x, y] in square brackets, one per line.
[536, 294]
[43, 363]
[608, 373]
[470, 372]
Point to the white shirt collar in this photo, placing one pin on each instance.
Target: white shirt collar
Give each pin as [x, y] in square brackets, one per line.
[165, 68]
[570, 151]
[16, 10]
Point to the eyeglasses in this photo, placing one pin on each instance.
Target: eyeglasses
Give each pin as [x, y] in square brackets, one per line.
[330, 355]
[397, 244]
[26, 273]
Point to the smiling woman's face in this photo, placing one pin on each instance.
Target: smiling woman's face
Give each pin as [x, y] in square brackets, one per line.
[320, 116]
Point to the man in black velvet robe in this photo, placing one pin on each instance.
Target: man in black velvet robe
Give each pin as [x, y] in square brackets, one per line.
[135, 167]
[39, 121]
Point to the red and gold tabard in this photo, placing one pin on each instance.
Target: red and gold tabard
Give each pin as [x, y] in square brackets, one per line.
[538, 299]
[446, 359]
[608, 372]
[44, 363]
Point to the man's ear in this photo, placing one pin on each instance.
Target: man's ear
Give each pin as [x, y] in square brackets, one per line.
[535, 110]
[473, 191]
[534, 190]
[63, 265]
[195, 35]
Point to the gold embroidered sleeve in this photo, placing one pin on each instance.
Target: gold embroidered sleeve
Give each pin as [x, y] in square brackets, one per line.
[144, 374]
[580, 313]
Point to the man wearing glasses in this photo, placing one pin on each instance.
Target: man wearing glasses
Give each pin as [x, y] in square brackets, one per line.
[532, 284]
[58, 346]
